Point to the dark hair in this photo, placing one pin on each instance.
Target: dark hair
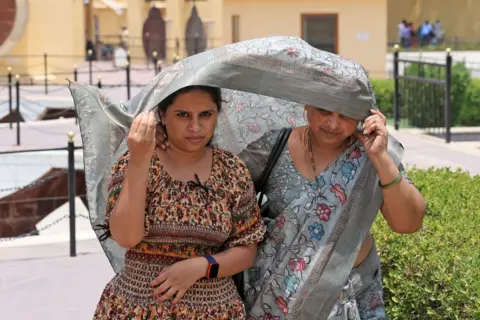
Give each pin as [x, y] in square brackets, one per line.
[215, 94]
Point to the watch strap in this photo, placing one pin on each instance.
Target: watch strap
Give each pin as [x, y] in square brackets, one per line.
[212, 270]
[211, 260]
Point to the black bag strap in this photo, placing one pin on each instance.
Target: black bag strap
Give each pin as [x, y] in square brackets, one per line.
[272, 160]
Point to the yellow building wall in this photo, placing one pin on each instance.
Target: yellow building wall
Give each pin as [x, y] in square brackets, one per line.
[459, 18]
[110, 24]
[58, 28]
[262, 18]
[176, 16]
[55, 27]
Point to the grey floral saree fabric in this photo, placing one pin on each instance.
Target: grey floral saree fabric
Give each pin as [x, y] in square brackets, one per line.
[265, 84]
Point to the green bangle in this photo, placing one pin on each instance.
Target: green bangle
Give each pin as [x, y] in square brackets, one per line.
[393, 182]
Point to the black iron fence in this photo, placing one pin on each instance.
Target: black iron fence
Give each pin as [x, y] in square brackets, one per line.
[120, 77]
[72, 194]
[154, 66]
[422, 97]
[105, 45]
[45, 65]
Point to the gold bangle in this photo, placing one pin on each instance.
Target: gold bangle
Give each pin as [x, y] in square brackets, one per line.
[393, 182]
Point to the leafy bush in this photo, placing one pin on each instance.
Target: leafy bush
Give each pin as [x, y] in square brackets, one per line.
[461, 81]
[470, 115]
[435, 273]
[384, 90]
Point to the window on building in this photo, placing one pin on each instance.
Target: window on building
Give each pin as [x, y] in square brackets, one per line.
[235, 28]
[321, 31]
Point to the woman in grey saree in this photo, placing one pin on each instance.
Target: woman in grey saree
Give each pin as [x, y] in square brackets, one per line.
[304, 264]
[312, 191]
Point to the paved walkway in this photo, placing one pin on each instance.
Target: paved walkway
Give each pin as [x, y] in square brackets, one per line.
[56, 287]
[43, 282]
[424, 152]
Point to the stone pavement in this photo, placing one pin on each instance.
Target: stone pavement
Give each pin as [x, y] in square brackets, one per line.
[43, 282]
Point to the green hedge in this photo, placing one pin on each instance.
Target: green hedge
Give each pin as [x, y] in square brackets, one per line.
[384, 90]
[470, 113]
[465, 96]
[435, 273]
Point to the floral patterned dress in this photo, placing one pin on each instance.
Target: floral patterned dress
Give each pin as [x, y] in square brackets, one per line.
[184, 220]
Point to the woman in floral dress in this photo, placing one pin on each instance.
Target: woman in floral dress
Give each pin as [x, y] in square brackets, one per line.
[187, 215]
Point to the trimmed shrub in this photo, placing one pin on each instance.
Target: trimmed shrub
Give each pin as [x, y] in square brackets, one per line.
[384, 90]
[435, 273]
[461, 81]
[470, 115]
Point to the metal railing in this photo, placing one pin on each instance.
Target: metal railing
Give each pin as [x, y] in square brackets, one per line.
[70, 148]
[422, 96]
[15, 86]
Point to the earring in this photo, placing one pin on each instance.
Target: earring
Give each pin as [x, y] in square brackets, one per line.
[164, 131]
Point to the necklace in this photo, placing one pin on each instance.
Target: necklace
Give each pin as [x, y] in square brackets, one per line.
[308, 149]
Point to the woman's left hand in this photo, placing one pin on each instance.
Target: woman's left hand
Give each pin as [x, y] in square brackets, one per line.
[176, 279]
[375, 135]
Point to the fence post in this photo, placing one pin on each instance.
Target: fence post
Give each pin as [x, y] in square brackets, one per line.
[99, 82]
[176, 58]
[159, 66]
[127, 70]
[448, 104]
[75, 73]
[10, 96]
[45, 69]
[396, 94]
[177, 46]
[75, 78]
[154, 55]
[17, 87]
[90, 57]
[71, 193]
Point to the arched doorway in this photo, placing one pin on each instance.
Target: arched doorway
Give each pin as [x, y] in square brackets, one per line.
[13, 20]
[195, 35]
[154, 35]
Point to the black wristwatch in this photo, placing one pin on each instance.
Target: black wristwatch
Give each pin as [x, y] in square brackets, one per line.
[213, 266]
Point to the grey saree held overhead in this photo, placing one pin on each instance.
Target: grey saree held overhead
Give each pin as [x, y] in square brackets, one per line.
[265, 84]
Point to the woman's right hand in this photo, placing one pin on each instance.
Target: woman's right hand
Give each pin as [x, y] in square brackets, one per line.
[141, 138]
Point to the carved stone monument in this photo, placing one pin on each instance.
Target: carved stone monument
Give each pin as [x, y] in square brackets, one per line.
[154, 35]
